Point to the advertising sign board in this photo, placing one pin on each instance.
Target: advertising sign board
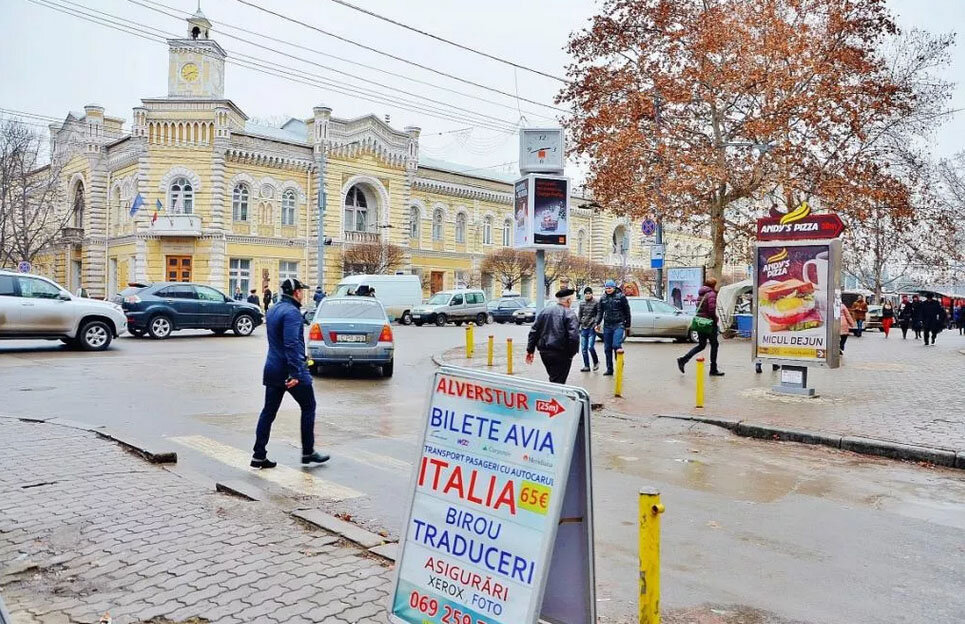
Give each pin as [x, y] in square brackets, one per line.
[484, 543]
[657, 253]
[682, 286]
[542, 210]
[800, 224]
[797, 286]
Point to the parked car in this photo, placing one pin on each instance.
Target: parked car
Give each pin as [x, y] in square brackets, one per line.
[458, 306]
[526, 314]
[399, 294]
[502, 310]
[655, 318]
[350, 331]
[873, 318]
[32, 306]
[164, 307]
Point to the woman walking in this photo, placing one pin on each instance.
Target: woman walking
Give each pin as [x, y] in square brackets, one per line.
[859, 310]
[905, 316]
[847, 322]
[706, 308]
[887, 317]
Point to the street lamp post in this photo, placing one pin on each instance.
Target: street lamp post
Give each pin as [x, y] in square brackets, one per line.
[322, 198]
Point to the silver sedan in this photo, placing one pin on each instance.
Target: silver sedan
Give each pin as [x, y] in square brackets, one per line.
[654, 318]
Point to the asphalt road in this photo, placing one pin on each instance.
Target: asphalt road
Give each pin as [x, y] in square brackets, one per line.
[779, 531]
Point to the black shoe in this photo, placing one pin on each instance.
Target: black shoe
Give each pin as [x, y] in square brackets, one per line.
[314, 458]
[608, 374]
[681, 363]
[585, 369]
[716, 373]
[262, 463]
[596, 366]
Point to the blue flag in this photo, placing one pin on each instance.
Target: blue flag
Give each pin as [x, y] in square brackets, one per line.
[138, 202]
[159, 207]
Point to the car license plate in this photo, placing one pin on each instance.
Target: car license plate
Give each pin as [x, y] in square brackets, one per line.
[350, 338]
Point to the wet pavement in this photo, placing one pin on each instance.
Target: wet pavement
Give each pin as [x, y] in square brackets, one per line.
[773, 531]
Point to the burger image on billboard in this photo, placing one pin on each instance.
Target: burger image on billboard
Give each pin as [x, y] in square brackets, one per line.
[789, 305]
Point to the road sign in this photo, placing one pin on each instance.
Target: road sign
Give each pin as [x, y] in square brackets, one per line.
[499, 528]
[24, 267]
[648, 227]
[656, 256]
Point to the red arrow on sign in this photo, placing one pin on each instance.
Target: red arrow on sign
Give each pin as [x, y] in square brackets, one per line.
[550, 408]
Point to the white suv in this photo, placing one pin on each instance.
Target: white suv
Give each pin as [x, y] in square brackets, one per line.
[32, 306]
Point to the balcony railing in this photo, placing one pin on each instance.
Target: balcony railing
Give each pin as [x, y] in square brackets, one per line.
[177, 225]
[352, 236]
[73, 235]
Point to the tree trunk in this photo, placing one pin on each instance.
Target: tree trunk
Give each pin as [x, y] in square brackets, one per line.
[716, 267]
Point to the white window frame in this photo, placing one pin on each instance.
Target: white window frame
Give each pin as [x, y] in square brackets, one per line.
[239, 274]
[508, 233]
[353, 210]
[415, 222]
[181, 188]
[287, 269]
[289, 207]
[461, 222]
[240, 203]
[487, 231]
[438, 225]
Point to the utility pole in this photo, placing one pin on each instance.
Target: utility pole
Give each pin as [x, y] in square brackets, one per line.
[320, 251]
[659, 219]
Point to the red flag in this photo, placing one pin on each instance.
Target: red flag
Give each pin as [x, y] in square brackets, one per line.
[154, 218]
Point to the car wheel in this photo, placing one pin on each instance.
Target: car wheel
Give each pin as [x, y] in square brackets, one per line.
[388, 369]
[243, 325]
[406, 318]
[519, 321]
[481, 319]
[441, 320]
[94, 336]
[137, 333]
[457, 323]
[220, 331]
[418, 323]
[159, 327]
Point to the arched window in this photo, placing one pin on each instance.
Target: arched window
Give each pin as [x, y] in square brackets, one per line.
[181, 199]
[356, 211]
[580, 243]
[508, 233]
[461, 228]
[288, 207]
[78, 207]
[415, 222]
[621, 241]
[437, 225]
[488, 231]
[239, 203]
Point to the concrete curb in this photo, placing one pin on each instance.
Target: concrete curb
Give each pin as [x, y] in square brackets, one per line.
[349, 531]
[855, 444]
[241, 490]
[138, 447]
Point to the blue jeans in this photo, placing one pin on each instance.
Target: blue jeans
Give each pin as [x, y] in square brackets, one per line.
[305, 396]
[860, 324]
[587, 340]
[612, 340]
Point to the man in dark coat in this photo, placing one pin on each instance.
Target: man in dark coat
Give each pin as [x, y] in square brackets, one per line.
[614, 316]
[556, 333]
[318, 296]
[932, 318]
[916, 315]
[706, 308]
[253, 297]
[286, 371]
[267, 298]
[588, 310]
[905, 316]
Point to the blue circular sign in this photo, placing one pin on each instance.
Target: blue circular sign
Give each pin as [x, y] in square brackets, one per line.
[649, 227]
[24, 267]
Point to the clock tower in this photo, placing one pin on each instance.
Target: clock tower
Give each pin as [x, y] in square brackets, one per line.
[196, 63]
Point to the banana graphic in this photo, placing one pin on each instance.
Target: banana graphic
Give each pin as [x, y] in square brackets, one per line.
[797, 214]
[779, 256]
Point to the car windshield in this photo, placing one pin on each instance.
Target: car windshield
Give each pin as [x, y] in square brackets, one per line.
[439, 299]
[127, 292]
[343, 289]
[350, 309]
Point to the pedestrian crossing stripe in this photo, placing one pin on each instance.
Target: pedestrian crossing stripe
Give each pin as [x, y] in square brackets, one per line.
[299, 481]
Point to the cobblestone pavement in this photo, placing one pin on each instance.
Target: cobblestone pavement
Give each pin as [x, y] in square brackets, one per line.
[890, 389]
[87, 528]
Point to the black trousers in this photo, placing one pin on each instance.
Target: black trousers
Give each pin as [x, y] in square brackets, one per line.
[844, 339]
[904, 328]
[702, 344]
[304, 394]
[557, 365]
[930, 333]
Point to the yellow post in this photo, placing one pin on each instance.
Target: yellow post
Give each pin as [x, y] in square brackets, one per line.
[491, 349]
[509, 356]
[650, 510]
[700, 382]
[469, 341]
[618, 377]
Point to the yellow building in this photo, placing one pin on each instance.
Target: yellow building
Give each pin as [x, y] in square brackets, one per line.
[237, 203]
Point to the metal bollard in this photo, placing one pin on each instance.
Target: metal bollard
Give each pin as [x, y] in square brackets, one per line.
[469, 341]
[618, 376]
[650, 510]
[700, 382]
[491, 350]
[509, 356]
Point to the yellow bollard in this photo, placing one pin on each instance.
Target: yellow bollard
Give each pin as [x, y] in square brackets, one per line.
[469, 341]
[491, 350]
[509, 356]
[700, 382]
[650, 510]
[618, 377]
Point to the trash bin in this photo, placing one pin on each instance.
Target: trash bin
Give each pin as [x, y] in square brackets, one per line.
[745, 325]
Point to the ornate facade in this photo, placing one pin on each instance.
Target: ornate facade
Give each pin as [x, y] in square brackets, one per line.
[237, 202]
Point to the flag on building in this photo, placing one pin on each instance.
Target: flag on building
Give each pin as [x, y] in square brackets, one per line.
[138, 202]
[159, 207]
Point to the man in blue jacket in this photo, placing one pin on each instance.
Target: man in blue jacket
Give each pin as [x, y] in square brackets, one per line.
[286, 371]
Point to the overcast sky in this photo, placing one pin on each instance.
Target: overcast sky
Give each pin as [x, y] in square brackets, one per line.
[51, 63]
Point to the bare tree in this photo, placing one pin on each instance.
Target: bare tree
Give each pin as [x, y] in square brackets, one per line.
[510, 266]
[372, 258]
[559, 265]
[584, 272]
[30, 220]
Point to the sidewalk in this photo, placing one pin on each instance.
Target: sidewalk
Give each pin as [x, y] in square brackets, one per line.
[88, 528]
[894, 389]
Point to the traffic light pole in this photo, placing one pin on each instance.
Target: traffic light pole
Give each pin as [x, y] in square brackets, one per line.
[659, 288]
[322, 199]
[540, 279]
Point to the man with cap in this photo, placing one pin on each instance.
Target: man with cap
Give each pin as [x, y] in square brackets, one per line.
[614, 315]
[556, 333]
[286, 371]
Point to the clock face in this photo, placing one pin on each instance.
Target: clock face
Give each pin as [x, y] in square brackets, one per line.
[541, 150]
[189, 71]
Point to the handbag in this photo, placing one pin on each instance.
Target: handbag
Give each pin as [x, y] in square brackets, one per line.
[703, 326]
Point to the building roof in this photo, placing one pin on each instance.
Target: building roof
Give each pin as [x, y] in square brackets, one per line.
[286, 134]
[473, 172]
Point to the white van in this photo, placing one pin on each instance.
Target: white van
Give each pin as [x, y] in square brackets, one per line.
[398, 293]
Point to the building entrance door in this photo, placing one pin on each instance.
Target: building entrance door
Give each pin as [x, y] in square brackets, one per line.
[178, 268]
[435, 281]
